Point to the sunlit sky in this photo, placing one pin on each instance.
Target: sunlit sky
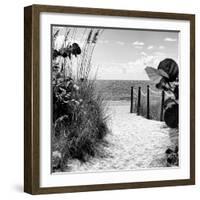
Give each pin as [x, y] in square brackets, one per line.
[123, 54]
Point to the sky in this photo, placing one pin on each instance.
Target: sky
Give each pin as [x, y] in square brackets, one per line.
[122, 54]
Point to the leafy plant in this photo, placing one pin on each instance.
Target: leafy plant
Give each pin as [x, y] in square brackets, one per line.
[79, 117]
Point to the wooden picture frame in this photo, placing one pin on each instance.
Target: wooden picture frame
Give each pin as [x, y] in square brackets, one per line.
[32, 98]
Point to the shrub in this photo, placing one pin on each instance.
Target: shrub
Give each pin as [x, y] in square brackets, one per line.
[80, 123]
[79, 117]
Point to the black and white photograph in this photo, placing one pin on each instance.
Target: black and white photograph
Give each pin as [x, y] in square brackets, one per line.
[114, 99]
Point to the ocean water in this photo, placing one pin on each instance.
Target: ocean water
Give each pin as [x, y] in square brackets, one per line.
[120, 90]
[118, 93]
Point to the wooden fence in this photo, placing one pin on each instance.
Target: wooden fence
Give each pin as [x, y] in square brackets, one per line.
[147, 102]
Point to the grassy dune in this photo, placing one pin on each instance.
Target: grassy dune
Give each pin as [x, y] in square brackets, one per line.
[79, 118]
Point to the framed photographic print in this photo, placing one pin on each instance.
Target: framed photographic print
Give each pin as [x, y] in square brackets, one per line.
[109, 99]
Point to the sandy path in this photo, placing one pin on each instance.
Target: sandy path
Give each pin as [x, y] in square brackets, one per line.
[134, 142]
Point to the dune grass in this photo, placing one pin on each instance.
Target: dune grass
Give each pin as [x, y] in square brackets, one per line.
[79, 112]
[81, 126]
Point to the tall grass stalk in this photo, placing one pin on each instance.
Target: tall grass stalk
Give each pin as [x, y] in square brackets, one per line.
[79, 111]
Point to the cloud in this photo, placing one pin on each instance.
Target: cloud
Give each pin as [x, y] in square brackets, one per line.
[139, 47]
[133, 69]
[167, 39]
[157, 53]
[103, 41]
[143, 53]
[161, 47]
[120, 42]
[138, 43]
[142, 61]
[150, 47]
[148, 60]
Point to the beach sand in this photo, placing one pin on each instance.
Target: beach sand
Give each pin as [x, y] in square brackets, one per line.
[133, 143]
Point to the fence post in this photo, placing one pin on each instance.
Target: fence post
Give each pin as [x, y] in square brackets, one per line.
[148, 116]
[131, 109]
[139, 99]
[162, 105]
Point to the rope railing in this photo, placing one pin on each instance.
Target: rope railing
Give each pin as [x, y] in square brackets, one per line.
[158, 94]
[143, 94]
[155, 92]
[135, 93]
[140, 93]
